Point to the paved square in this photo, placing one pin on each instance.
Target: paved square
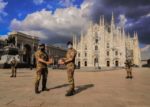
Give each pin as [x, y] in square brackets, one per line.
[94, 89]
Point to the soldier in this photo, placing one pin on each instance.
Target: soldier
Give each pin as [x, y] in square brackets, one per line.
[69, 61]
[42, 60]
[14, 67]
[128, 64]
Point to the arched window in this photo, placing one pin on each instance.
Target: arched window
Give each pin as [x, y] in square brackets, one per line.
[116, 53]
[108, 45]
[96, 47]
[116, 63]
[79, 64]
[85, 63]
[85, 54]
[108, 63]
[107, 53]
[78, 54]
[96, 40]
[85, 47]
[95, 61]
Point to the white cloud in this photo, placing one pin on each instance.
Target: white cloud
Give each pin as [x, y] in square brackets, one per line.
[38, 2]
[123, 20]
[148, 15]
[2, 7]
[145, 52]
[61, 24]
[146, 48]
[3, 37]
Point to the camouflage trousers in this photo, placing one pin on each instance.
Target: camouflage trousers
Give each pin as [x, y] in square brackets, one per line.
[14, 71]
[41, 72]
[70, 74]
[128, 70]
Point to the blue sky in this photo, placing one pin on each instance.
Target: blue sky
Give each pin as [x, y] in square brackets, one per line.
[55, 21]
[52, 19]
[19, 9]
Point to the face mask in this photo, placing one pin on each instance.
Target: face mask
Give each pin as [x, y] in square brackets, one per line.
[69, 46]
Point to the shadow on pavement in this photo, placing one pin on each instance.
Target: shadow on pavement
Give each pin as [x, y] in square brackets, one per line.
[60, 86]
[83, 88]
[24, 76]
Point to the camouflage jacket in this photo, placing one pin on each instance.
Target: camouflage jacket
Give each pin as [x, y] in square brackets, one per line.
[42, 55]
[70, 58]
[128, 64]
[14, 63]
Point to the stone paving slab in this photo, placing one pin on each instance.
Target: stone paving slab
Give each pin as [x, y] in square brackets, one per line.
[93, 89]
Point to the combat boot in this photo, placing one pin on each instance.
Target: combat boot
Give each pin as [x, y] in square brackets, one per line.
[131, 77]
[70, 93]
[45, 89]
[37, 91]
[11, 76]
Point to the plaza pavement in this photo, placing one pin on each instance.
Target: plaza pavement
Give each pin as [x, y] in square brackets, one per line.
[93, 89]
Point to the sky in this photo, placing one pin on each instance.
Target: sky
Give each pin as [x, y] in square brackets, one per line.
[55, 21]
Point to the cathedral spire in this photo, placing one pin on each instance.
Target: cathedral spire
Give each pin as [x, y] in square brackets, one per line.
[112, 23]
[81, 35]
[112, 19]
[136, 35]
[128, 36]
[100, 20]
[103, 20]
[91, 25]
[75, 41]
[123, 33]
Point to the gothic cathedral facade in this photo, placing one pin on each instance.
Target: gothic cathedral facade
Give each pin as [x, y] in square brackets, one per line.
[106, 45]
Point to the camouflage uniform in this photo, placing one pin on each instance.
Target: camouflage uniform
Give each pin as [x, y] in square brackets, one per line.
[70, 55]
[14, 67]
[42, 70]
[128, 64]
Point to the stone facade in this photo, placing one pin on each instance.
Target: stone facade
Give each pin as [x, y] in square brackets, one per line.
[106, 45]
[28, 44]
[55, 52]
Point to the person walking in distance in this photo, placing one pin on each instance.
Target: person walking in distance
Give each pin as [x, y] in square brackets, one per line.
[14, 67]
[128, 65]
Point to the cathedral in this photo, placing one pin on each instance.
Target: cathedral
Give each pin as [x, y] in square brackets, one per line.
[106, 45]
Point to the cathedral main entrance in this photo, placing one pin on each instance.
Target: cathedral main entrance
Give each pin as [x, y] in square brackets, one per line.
[116, 63]
[85, 63]
[108, 63]
[96, 62]
[79, 64]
